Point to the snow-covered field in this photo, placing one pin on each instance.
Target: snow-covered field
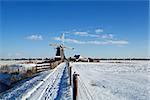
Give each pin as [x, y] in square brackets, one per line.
[10, 62]
[16, 62]
[127, 80]
[107, 80]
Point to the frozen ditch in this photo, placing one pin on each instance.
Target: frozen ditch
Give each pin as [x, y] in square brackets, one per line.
[23, 86]
[113, 81]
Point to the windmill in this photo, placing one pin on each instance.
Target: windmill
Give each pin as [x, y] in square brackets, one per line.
[60, 49]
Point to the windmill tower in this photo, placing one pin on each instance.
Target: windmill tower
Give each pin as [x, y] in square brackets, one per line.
[60, 49]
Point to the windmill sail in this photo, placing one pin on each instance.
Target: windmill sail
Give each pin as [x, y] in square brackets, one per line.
[60, 48]
[62, 37]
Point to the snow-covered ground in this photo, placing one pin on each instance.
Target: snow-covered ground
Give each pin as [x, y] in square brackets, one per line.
[127, 80]
[10, 62]
[48, 85]
[53, 87]
[23, 87]
[107, 80]
[17, 62]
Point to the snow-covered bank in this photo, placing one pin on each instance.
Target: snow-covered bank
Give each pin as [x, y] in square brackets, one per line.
[52, 84]
[13, 73]
[19, 68]
[43, 85]
[10, 62]
[113, 81]
[23, 87]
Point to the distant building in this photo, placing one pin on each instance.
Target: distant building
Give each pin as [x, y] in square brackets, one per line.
[94, 59]
[79, 58]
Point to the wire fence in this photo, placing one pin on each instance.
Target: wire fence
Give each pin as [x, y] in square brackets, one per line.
[85, 89]
[82, 88]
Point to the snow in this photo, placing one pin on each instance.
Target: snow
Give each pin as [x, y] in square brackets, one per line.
[113, 81]
[54, 86]
[107, 80]
[17, 67]
[10, 62]
[27, 66]
[23, 87]
[4, 76]
[48, 85]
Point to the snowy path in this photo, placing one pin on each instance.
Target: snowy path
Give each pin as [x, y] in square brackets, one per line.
[113, 81]
[54, 86]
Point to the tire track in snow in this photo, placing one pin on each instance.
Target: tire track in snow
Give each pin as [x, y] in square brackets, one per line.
[39, 91]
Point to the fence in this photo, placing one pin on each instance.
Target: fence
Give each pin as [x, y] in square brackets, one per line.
[47, 65]
[73, 82]
[78, 84]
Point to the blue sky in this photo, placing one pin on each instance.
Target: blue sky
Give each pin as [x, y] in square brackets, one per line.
[96, 29]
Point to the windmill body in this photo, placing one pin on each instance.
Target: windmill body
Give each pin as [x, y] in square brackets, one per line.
[60, 49]
[60, 55]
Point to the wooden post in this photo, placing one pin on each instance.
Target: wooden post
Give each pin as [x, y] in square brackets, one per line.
[67, 64]
[75, 86]
[36, 68]
[18, 70]
[70, 74]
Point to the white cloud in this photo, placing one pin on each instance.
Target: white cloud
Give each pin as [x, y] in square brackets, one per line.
[119, 42]
[97, 42]
[80, 33]
[107, 36]
[69, 40]
[98, 39]
[34, 37]
[74, 41]
[57, 38]
[84, 33]
[108, 42]
[99, 30]
[94, 35]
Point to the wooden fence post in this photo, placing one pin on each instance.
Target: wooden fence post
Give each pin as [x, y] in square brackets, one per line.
[67, 64]
[70, 74]
[18, 70]
[75, 86]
